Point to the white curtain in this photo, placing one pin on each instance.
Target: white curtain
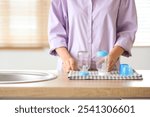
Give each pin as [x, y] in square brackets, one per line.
[23, 23]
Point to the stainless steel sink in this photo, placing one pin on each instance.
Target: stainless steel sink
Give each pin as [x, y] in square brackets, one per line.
[10, 77]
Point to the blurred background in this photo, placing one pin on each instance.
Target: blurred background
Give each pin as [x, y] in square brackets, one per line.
[24, 36]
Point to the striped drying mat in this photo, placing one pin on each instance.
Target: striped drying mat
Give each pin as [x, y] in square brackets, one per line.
[93, 75]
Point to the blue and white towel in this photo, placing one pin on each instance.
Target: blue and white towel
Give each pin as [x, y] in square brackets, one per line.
[93, 75]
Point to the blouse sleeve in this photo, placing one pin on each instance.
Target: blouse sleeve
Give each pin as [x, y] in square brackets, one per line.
[56, 27]
[126, 25]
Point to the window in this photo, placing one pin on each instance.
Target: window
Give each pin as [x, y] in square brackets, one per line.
[143, 33]
[23, 23]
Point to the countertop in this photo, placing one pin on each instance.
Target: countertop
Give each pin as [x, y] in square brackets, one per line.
[63, 88]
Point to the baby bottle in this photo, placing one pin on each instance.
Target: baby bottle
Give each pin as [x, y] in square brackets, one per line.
[83, 62]
[101, 62]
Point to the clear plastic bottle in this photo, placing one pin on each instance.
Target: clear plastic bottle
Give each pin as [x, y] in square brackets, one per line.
[101, 62]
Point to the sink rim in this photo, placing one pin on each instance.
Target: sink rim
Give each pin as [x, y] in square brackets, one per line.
[45, 76]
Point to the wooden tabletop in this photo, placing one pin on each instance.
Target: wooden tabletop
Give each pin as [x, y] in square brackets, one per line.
[63, 88]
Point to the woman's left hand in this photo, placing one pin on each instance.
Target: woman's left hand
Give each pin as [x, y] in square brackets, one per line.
[113, 57]
[111, 62]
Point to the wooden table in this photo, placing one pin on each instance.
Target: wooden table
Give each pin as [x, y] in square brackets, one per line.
[63, 88]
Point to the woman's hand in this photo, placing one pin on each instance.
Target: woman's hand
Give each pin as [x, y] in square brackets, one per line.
[111, 62]
[113, 57]
[69, 62]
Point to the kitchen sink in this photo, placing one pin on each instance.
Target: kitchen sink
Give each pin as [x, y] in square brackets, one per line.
[10, 77]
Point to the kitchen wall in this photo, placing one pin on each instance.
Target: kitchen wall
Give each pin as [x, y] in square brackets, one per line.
[140, 58]
[40, 59]
[26, 59]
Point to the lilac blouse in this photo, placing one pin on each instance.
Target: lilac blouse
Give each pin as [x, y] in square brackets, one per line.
[91, 25]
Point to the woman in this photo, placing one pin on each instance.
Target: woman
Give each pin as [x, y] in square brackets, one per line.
[91, 25]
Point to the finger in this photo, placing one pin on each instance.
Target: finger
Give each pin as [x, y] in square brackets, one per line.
[67, 65]
[66, 68]
[111, 61]
[110, 65]
[110, 68]
[72, 64]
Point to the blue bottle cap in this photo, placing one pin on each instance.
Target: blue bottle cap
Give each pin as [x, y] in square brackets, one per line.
[102, 53]
[125, 70]
[83, 73]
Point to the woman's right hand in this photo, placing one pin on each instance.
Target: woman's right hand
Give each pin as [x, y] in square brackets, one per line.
[69, 64]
